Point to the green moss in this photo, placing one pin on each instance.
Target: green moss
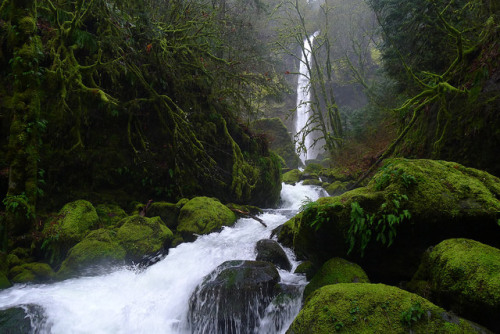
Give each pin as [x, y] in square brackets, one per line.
[27, 25]
[110, 214]
[99, 248]
[371, 308]
[444, 200]
[292, 176]
[141, 236]
[4, 282]
[78, 218]
[203, 215]
[73, 222]
[312, 182]
[336, 271]
[313, 169]
[168, 212]
[337, 188]
[464, 275]
[306, 268]
[31, 273]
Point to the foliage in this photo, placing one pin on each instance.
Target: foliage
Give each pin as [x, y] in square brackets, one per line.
[18, 203]
[412, 315]
[388, 174]
[381, 224]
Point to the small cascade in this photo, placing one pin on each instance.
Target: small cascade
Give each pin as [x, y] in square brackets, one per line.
[157, 299]
[304, 96]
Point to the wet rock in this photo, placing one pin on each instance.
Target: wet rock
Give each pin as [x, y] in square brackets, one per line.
[23, 319]
[233, 297]
[271, 251]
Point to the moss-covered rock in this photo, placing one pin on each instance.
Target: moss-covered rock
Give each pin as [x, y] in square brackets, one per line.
[35, 272]
[464, 276]
[203, 215]
[99, 249]
[418, 204]
[307, 268]
[110, 214]
[4, 282]
[312, 182]
[337, 188]
[336, 271]
[168, 212]
[374, 308]
[292, 177]
[141, 236]
[73, 222]
[279, 139]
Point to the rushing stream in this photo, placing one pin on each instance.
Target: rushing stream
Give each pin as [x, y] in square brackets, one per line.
[156, 299]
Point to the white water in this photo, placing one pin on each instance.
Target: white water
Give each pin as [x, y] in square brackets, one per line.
[155, 300]
[304, 96]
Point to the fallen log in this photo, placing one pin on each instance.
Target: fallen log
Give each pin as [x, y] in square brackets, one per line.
[248, 214]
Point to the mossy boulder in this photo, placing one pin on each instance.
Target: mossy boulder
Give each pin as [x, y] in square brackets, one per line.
[142, 236]
[73, 222]
[307, 268]
[336, 271]
[312, 182]
[337, 188]
[271, 251]
[35, 272]
[374, 308]
[203, 215]
[462, 275]
[4, 282]
[292, 177]
[279, 139]
[409, 204]
[168, 212]
[110, 214]
[233, 297]
[99, 249]
[332, 175]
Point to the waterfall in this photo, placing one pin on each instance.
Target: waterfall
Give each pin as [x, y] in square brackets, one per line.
[303, 97]
[156, 299]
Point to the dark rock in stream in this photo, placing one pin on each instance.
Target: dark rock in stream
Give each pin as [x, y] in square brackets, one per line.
[271, 251]
[233, 298]
[23, 319]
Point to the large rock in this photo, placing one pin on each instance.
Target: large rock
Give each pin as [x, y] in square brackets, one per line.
[141, 236]
[292, 177]
[233, 297]
[336, 271]
[462, 275]
[271, 251]
[34, 272]
[409, 205]
[279, 138]
[168, 212]
[23, 319]
[73, 222]
[203, 215]
[374, 308]
[110, 214]
[97, 251]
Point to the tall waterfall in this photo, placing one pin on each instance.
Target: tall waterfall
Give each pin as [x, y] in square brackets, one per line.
[156, 300]
[304, 95]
